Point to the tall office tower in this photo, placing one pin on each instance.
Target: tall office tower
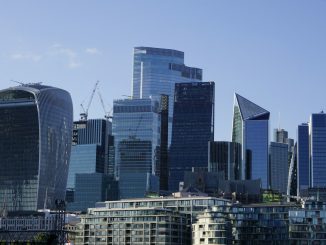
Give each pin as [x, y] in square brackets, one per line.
[156, 71]
[35, 141]
[278, 166]
[317, 149]
[163, 168]
[303, 158]
[135, 128]
[89, 153]
[250, 129]
[224, 156]
[193, 127]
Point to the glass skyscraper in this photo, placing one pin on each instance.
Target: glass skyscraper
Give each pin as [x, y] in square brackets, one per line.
[35, 142]
[135, 128]
[89, 154]
[156, 71]
[193, 128]
[250, 129]
[303, 157]
[317, 131]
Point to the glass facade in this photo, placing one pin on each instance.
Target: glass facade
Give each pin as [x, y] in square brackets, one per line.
[225, 156]
[278, 166]
[193, 128]
[303, 157]
[83, 160]
[156, 71]
[136, 139]
[317, 132]
[35, 142]
[250, 129]
[92, 188]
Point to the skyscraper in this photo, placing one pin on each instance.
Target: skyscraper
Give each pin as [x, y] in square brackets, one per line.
[193, 127]
[317, 131]
[156, 71]
[303, 157]
[89, 159]
[137, 139]
[278, 166]
[89, 154]
[250, 129]
[35, 141]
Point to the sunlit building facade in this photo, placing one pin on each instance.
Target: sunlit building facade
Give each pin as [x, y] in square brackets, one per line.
[136, 138]
[157, 70]
[35, 143]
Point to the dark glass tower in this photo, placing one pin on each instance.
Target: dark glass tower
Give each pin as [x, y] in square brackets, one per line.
[303, 157]
[250, 129]
[225, 156]
[193, 127]
[35, 142]
[317, 130]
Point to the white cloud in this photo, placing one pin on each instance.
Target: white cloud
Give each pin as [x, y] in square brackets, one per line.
[69, 54]
[92, 51]
[26, 56]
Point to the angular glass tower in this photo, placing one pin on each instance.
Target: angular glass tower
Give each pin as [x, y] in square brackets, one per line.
[250, 129]
[317, 131]
[35, 142]
[135, 128]
[193, 128]
[156, 71]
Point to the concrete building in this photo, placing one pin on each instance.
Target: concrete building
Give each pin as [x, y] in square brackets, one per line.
[139, 225]
[213, 226]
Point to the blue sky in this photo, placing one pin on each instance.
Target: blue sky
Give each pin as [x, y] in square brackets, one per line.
[271, 52]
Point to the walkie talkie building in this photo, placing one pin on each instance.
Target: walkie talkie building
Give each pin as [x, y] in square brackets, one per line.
[35, 142]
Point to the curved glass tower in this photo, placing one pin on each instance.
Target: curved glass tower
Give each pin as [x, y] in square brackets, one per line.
[35, 142]
[250, 129]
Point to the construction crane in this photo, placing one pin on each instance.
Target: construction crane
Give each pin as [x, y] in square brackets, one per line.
[84, 114]
[107, 114]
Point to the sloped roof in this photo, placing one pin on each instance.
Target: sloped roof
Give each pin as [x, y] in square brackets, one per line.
[249, 110]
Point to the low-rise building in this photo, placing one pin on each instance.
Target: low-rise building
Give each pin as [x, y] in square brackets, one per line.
[213, 227]
[141, 225]
[307, 226]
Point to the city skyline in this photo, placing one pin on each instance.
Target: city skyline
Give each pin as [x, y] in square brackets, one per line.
[273, 48]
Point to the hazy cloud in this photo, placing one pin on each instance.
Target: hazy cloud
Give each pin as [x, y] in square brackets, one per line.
[69, 54]
[92, 51]
[26, 56]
